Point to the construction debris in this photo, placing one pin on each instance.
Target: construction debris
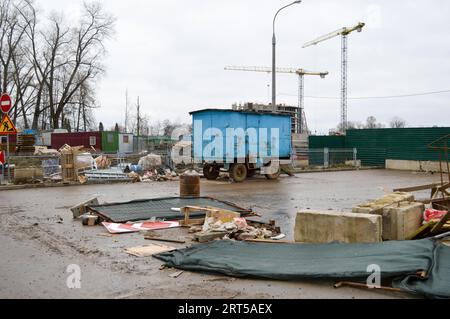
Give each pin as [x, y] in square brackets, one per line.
[81, 209]
[116, 228]
[150, 162]
[148, 250]
[102, 162]
[90, 220]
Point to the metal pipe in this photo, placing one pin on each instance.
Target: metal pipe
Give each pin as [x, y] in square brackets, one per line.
[359, 285]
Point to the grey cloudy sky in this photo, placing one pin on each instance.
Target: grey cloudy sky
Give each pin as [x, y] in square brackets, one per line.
[172, 53]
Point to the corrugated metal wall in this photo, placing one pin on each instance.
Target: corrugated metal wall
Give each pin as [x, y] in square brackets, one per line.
[376, 145]
[326, 142]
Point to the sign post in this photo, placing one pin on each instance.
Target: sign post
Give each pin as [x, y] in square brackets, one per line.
[5, 103]
[6, 127]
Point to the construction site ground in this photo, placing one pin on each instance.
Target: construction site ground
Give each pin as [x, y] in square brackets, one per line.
[39, 239]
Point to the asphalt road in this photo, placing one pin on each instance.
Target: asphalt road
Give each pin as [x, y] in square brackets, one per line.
[39, 239]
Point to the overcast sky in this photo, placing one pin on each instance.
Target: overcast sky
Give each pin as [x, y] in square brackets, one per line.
[172, 54]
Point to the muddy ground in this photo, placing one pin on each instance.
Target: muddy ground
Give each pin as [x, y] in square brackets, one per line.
[39, 239]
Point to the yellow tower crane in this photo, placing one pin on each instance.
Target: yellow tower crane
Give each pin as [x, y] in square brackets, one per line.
[344, 32]
[302, 127]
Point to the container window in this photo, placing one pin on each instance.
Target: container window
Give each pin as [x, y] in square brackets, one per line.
[126, 139]
[92, 140]
[110, 138]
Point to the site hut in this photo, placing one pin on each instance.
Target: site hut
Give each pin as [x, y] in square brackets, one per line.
[126, 141]
[87, 139]
[110, 142]
[44, 138]
[263, 140]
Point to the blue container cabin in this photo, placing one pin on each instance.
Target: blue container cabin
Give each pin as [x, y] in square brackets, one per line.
[244, 143]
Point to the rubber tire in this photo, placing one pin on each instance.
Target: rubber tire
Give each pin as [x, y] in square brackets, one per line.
[211, 172]
[238, 172]
[273, 177]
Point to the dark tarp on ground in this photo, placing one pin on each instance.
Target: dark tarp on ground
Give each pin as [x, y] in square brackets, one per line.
[397, 259]
[160, 208]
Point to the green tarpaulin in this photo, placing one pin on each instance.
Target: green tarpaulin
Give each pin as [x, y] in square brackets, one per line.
[398, 260]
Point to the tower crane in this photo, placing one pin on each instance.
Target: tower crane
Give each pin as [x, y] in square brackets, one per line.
[301, 87]
[344, 32]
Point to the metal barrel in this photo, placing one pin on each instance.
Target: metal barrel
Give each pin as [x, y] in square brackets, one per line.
[190, 184]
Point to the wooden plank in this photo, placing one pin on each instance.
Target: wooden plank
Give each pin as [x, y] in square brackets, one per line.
[422, 231]
[417, 188]
[168, 240]
[144, 251]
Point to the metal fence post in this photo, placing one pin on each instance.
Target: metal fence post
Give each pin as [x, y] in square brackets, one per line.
[8, 159]
[326, 157]
[355, 157]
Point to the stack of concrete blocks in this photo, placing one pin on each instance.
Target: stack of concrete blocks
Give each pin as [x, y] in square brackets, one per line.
[393, 217]
[401, 216]
[377, 206]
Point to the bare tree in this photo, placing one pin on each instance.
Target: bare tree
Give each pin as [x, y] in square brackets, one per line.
[371, 123]
[49, 67]
[397, 122]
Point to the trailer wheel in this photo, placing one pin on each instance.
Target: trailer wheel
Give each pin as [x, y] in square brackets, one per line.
[238, 172]
[274, 176]
[211, 172]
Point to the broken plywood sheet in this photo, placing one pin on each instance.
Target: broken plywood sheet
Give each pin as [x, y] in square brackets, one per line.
[148, 250]
[117, 228]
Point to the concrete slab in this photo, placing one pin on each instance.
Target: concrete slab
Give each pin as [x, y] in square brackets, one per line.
[326, 227]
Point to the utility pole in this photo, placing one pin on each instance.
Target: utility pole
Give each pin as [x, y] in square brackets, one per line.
[138, 117]
[138, 123]
[126, 111]
[274, 60]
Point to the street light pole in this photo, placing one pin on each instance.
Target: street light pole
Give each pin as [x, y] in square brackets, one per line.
[274, 44]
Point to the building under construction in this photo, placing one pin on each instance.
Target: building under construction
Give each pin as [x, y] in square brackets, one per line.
[293, 111]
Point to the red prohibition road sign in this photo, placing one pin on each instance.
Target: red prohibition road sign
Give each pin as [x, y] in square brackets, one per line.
[5, 103]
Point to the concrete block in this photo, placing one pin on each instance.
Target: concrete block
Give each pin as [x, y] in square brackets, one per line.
[353, 163]
[28, 174]
[402, 220]
[418, 166]
[326, 227]
[377, 206]
[80, 208]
